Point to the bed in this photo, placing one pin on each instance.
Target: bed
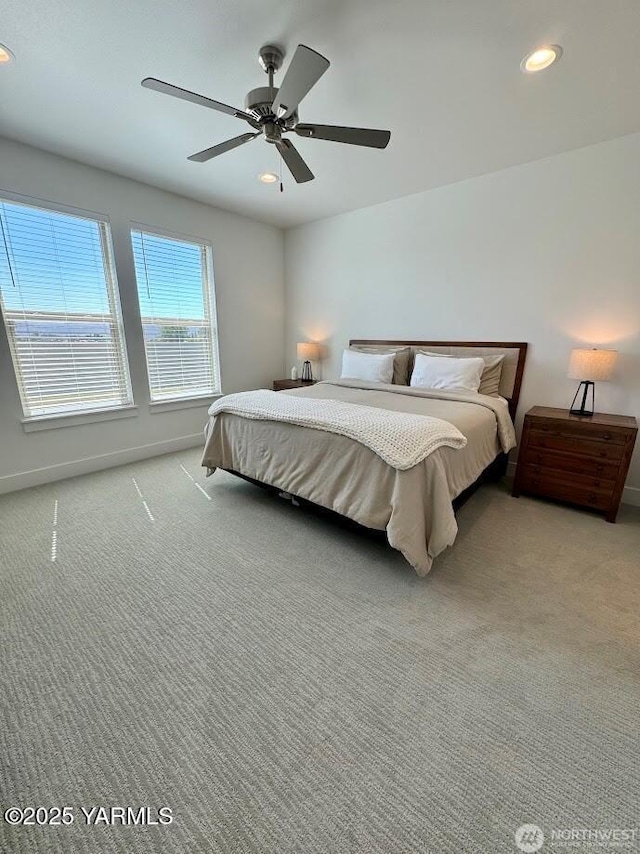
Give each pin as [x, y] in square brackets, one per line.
[414, 506]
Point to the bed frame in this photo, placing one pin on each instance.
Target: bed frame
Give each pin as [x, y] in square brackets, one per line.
[494, 472]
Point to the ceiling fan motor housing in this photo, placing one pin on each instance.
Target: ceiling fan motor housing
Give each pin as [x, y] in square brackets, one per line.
[259, 102]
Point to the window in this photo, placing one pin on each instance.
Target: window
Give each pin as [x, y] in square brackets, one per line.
[175, 290]
[60, 305]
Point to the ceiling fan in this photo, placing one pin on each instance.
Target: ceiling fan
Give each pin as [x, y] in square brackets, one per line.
[273, 112]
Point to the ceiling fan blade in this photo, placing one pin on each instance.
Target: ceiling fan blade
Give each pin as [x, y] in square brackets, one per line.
[305, 69]
[294, 161]
[186, 95]
[352, 136]
[230, 144]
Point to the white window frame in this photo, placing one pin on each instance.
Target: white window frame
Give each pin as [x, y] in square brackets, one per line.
[181, 401]
[95, 413]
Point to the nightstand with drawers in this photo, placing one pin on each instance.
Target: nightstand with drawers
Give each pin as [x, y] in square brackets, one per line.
[280, 385]
[580, 460]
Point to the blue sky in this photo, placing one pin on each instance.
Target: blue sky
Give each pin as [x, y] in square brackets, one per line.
[52, 262]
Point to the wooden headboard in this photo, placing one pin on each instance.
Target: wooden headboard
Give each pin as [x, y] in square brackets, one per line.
[515, 357]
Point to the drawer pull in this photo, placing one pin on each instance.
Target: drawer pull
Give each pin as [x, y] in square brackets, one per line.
[599, 467]
[596, 483]
[606, 436]
[593, 497]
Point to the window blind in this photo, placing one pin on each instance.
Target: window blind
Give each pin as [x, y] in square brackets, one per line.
[175, 290]
[60, 305]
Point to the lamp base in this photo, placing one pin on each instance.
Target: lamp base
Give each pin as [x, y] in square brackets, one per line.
[583, 411]
[307, 375]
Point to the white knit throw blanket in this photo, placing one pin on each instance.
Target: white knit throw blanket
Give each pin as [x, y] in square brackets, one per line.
[401, 439]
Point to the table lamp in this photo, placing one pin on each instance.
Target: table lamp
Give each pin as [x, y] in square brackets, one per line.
[589, 366]
[307, 352]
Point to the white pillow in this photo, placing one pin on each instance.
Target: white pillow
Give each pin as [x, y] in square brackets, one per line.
[446, 373]
[491, 374]
[371, 367]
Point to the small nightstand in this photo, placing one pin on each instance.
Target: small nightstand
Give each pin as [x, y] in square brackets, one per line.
[581, 460]
[279, 385]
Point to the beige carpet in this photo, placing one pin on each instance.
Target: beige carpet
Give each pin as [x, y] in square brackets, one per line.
[287, 686]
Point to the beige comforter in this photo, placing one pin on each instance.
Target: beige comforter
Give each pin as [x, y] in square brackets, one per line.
[413, 506]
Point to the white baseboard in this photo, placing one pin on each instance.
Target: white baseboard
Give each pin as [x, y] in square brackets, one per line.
[630, 495]
[36, 477]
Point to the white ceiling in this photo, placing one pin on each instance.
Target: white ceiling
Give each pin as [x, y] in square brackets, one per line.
[442, 75]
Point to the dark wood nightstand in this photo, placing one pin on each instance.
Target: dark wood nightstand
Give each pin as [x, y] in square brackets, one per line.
[581, 460]
[279, 385]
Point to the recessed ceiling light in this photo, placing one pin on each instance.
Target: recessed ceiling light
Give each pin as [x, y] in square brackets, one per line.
[268, 177]
[5, 55]
[541, 58]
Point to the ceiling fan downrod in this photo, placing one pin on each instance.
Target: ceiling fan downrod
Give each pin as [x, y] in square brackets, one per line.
[271, 58]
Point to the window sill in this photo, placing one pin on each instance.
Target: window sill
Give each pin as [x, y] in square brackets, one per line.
[158, 406]
[52, 422]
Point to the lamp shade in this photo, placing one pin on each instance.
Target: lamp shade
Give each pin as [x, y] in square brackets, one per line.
[308, 351]
[593, 365]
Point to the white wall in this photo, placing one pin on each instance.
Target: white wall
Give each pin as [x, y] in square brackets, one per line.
[250, 304]
[548, 253]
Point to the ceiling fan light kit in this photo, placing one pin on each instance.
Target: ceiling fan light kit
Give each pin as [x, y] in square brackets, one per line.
[272, 111]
